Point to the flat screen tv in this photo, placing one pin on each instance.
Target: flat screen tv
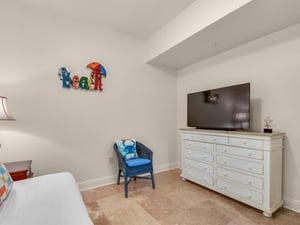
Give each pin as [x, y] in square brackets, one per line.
[226, 108]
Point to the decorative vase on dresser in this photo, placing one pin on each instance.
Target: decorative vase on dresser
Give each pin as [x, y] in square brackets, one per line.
[246, 166]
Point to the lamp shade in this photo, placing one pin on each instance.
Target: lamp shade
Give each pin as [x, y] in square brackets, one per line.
[4, 113]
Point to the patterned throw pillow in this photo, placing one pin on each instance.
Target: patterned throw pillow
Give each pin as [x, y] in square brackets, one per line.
[6, 183]
[127, 148]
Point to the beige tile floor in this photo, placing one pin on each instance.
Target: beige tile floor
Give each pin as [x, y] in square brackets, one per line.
[174, 202]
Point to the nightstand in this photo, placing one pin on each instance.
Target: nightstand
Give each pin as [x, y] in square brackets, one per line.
[19, 170]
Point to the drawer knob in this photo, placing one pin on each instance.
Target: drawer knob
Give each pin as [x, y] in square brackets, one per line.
[205, 156]
[225, 161]
[244, 143]
[249, 196]
[249, 154]
[249, 181]
[205, 168]
[225, 174]
[249, 168]
[225, 186]
[225, 150]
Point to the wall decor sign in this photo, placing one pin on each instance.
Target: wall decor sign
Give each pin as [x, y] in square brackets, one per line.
[92, 83]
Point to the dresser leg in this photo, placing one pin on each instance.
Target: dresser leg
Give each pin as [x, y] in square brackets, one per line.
[267, 214]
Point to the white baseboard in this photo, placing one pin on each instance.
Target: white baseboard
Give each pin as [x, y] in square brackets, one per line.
[165, 167]
[99, 182]
[291, 204]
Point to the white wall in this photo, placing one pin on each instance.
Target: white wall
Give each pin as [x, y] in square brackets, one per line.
[74, 130]
[272, 66]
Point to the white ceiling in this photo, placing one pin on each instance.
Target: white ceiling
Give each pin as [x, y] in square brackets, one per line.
[138, 18]
[250, 22]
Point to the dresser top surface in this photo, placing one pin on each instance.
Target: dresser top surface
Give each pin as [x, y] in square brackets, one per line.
[255, 133]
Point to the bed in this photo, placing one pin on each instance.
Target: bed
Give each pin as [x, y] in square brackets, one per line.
[46, 200]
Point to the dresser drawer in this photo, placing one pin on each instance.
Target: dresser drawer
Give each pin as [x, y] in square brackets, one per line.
[198, 165]
[245, 142]
[198, 176]
[244, 152]
[240, 191]
[193, 137]
[240, 178]
[245, 165]
[196, 145]
[198, 155]
[215, 139]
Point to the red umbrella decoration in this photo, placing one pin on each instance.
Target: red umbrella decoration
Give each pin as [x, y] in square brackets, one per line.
[98, 71]
[92, 83]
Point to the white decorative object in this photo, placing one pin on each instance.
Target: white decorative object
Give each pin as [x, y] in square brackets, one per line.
[268, 127]
[246, 166]
[268, 122]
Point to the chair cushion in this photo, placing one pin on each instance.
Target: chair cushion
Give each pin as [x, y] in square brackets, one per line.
[127, 148]
[137, 162]
[6, 183]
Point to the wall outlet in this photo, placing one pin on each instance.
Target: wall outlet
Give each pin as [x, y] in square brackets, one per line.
[111, 160]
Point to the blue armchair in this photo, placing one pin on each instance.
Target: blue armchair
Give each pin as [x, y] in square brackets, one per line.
[131, 168]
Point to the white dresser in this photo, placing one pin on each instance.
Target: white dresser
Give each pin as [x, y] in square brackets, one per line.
[246, 166]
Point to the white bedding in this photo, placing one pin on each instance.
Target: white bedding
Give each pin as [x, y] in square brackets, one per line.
[47, 200]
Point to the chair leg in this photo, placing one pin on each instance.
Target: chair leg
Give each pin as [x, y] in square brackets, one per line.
[126, 186]
[119, 175]
[152, 179]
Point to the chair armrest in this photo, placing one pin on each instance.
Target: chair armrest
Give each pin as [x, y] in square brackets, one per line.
[121, 160]
[143, 151]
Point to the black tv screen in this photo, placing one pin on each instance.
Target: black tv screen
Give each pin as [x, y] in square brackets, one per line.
[226, 108]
